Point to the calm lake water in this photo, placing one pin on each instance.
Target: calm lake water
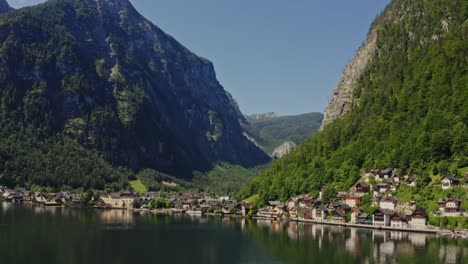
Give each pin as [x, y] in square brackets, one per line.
[32, 234]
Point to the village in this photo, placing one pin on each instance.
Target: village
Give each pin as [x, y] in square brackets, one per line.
[344, 209]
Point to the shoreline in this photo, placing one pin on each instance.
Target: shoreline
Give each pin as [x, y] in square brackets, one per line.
[438, 232]
[383, 228]
[173, 211]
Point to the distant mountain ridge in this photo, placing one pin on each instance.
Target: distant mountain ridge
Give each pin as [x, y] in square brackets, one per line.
[270, 131]
[263, 116]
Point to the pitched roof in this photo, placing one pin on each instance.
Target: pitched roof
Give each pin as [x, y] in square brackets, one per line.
[322, 208]
[340, 213]
[450, 177]
[388, 198]
[362, 184]
[445, 200]
[384, 211]
[274, 203]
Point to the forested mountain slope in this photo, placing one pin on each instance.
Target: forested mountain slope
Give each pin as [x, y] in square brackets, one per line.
[4, 7]
[409, 107]
[271, 132]
[89, 85]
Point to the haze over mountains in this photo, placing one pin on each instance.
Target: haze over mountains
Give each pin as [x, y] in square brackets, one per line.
[98, 79]
[270, 131]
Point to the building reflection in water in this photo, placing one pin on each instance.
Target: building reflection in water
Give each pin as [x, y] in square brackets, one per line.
[117, 218]
[449, 254]
[384, 244]
[5, 207]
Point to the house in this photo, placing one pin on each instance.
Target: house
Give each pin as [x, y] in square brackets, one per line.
[450, 206]
[147, 197]
[363, 218]
[119, 200]
[273, 204]
[333, 205]
[13, 196]
[448, 181]
[278, 211]
[388, 202]
[398, 220]
[339, 216]
[346, 208]
[293, 213]
[195, 211]
[223, 198]
[230, 208]
[320, 213]
[245, 208]
[353, 201]
[186, 204]
[341, 196]
[411, 181]
[418, 219]
[381, 188]
[39, 198]
[381, 217]
[7, 192]
[265, 213]
[204, 207]
[305, 213]
[178, 203]
[306, 201]
[362, 188]
[396, 178]
[386, 173]
[293, 203]
[355, 216]
[55, 201]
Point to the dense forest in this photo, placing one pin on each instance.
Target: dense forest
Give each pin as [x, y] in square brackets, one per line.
[410, 112]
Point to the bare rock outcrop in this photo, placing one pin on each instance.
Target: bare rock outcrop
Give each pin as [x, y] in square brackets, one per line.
[342, 100]
[284, 149]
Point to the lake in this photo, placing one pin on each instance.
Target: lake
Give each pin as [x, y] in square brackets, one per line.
[34, 234]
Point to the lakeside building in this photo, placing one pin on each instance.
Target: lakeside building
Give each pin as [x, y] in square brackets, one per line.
[450, 206]
[381, 217]
[119, 200]
[418, 219]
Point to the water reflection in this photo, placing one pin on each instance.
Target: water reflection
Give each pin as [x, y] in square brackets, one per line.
[117, 218]
[368, 245]
[122, 236]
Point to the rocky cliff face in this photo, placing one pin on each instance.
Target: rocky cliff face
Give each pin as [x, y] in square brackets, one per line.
[100, 73]
[284, 149]
[344, 95]
[264, 116]
[4, 7]
[342, 100]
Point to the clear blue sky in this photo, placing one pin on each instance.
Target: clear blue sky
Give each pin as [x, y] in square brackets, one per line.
[272, 55]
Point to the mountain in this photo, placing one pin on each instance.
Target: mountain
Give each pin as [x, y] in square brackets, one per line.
[270, 131]
[284, 149]
[4, 7]
[263, 116]
[401, 103]
[343, 100]
[98, 78]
